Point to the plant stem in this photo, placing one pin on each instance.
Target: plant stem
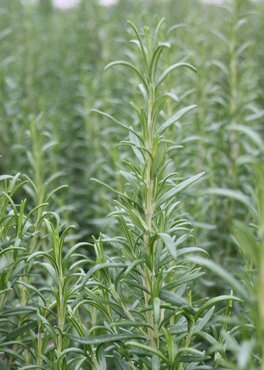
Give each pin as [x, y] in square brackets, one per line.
[149, 205]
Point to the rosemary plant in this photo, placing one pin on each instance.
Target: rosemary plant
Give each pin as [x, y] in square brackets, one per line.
[150, 296]
[131, 291]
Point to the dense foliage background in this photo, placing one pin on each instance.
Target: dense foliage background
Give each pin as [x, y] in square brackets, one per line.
[173, 279]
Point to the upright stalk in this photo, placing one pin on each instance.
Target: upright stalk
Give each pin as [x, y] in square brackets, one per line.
[150, 246]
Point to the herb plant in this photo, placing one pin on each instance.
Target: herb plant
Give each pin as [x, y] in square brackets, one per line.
[131, 234]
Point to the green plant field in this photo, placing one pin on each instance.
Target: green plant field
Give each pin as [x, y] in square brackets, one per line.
[132, 185]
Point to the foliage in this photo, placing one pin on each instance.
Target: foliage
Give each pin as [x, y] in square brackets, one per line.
[173, 277]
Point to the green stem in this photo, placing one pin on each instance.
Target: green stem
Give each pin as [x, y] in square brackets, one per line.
[149, 205]
[187, 342]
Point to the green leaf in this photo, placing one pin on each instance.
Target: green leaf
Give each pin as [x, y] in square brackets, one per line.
[245, 354]
[169, 244]
[246, 241]
[134, 140]
[129, 65]
[122, 365]
[35, 290]
[148, 349]
[106, 265]
[59, 188]
[249, 132]
[32, 367]
[24, 329]
[172, 68]
[259, 169]
[233, 194]
[175, 299]
[155, 362]
[225, 275]
[5, 177]
[23, 310]
[142, 47]
[188, 250]
[72, 250]
[51, 270]
[175, 118]
[189, 355]
[155, 59]
[124, 323]
[101, 339]
[117, 122]
[178, 188]
[204, 321]
[215, 300]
